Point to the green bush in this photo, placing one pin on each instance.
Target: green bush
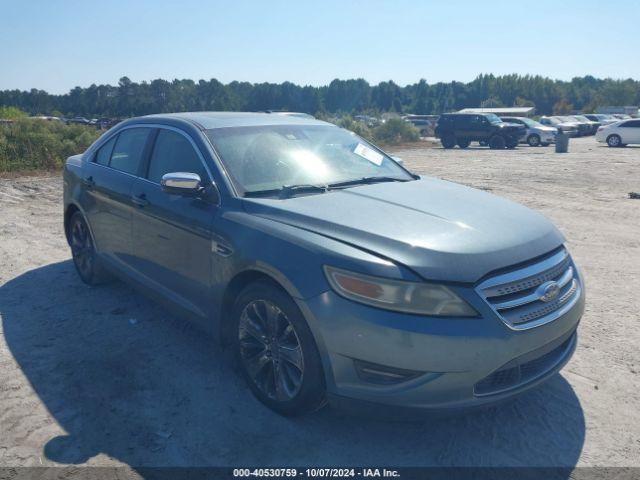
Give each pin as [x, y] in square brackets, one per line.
[395, 131]
[32, 144]
[11, 113]
[356, 127]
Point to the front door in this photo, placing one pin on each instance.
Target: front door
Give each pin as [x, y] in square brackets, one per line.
[630, 131]
[172, 233]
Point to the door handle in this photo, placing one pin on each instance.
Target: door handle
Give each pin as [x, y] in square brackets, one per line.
[89, 182]
[140, 200]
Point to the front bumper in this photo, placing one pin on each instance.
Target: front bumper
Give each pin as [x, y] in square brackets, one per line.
[548, 137]
[452, 355]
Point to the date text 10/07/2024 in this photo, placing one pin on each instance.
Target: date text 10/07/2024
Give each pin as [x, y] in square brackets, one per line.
[317, 472]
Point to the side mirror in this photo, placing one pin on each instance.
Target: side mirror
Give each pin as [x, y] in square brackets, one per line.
[398, 160]
[181, 183]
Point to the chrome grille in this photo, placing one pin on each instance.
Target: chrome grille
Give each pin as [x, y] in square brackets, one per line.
[534, 295]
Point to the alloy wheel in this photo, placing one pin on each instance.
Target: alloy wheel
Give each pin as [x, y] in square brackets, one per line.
[82, 247]
[270, 350]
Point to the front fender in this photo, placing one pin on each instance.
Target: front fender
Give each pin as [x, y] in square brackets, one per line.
[294, 256]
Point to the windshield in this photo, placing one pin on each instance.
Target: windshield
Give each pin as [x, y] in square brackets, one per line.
[493, 118]
[270, 157]
[531, 123]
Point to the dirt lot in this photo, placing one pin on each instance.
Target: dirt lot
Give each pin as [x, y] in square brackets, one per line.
[104, 376]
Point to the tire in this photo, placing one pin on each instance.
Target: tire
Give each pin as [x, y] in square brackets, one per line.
[448, 141]
[614, 141]
[463, 142]
[534, 140]
[497, 142]
[83, 252]
[511, 143]
[275, 350]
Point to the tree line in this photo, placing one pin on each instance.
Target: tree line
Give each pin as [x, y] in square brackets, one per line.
[339, 97]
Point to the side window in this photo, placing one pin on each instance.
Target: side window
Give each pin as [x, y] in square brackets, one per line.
[104, 153]
[128, 150]
[172, 152]
[476, 121]
[631, 123]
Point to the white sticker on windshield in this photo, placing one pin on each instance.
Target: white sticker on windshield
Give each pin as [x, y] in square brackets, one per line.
[369, 154]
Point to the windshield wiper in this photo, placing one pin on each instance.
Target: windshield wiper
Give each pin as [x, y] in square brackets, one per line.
[366, 181]
[287, 191]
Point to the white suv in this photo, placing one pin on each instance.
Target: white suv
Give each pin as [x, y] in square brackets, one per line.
[537, 134]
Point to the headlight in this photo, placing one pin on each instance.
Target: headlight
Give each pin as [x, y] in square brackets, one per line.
[409, 297]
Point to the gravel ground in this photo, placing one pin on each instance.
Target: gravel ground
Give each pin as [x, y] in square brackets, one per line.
[102, 376]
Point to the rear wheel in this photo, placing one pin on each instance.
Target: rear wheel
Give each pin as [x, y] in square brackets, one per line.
[614, 140]
[448, 141]
[84, 253]
[497, 142]
[533, 140]
[463, 142]
[276, 350]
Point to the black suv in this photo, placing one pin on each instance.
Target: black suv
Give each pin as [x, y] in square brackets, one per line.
[463, 128]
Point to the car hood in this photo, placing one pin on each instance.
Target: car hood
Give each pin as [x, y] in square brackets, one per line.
[511, 125]
[440, 230]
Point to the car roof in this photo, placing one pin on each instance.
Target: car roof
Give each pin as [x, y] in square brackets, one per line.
[210, 120]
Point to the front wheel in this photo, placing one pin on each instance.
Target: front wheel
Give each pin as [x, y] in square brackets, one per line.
[497, 142]
[533, 140]
[511, 143]
[84, 253]
[614, 140]
[276, 351]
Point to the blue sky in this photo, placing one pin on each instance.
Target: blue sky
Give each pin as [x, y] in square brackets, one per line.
[56, 45]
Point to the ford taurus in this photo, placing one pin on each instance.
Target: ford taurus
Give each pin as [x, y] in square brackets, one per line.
[333, 272]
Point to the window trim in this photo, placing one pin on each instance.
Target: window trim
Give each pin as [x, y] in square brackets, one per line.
[147, 162]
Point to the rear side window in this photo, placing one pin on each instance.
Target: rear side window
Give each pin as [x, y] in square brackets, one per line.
[174, 153]
[465, 121]
[128, 150]
[104, 154]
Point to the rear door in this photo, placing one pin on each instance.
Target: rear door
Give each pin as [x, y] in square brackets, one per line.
[478, 127]
[172, 233]
[108, 180]
[464, 126]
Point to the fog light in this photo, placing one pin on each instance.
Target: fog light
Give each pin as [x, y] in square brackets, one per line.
[383, 375]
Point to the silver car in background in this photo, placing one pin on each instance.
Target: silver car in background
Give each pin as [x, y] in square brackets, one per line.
[566, 127]
[537, 133]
